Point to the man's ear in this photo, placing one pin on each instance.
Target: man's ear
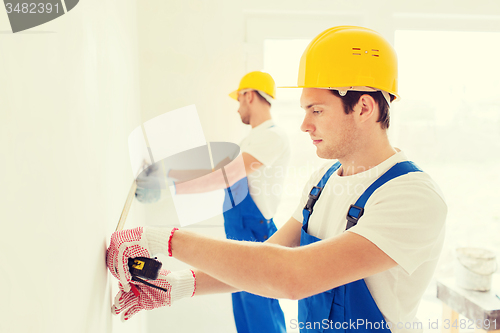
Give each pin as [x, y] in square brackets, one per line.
[366, 107]
[251, 96]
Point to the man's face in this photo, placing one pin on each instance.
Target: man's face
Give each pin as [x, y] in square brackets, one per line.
[243, 110]
[333, 132]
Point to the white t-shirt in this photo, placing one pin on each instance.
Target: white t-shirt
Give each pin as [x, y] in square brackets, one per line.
[405, 218]
[270, 146]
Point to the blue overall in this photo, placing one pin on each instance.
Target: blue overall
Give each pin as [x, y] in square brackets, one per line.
[244, 221]
[349, 307]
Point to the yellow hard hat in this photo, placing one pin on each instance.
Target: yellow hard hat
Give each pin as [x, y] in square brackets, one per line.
[349, 58]
[256, 80]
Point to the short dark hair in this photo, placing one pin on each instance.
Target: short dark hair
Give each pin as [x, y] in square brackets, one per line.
[352, 98]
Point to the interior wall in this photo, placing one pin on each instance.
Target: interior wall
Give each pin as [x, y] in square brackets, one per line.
[69, 98]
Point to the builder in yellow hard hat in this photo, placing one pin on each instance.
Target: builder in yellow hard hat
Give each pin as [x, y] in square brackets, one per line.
[265, 150]
[364, 241]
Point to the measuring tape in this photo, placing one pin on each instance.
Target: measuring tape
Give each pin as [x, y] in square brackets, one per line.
[126, 208]
[142, 267]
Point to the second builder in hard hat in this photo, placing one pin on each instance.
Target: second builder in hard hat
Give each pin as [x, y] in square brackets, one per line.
[254, 191]
[365, 239]
[266, 153]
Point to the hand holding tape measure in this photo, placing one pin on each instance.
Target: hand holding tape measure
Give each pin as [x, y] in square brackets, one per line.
[144, 267]
[147, 268]
[128, 259]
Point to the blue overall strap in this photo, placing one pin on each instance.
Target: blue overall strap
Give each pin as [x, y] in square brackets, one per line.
[316, 192]
[356, 211]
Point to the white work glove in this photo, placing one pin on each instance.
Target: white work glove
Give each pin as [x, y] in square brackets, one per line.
[133, 243]
[178, 285]
[149, 184]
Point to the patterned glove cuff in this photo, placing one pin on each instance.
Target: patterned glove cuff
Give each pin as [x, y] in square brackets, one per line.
[170, 241]
[158, 239]
[184, 284]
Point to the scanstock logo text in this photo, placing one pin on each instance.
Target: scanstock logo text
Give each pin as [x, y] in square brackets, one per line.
[26, 14]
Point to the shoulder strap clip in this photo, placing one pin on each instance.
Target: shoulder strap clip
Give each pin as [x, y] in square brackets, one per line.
[353, 214]
[313, 197]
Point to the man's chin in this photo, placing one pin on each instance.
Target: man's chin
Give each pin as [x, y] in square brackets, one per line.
[320, 153]
[327, 155]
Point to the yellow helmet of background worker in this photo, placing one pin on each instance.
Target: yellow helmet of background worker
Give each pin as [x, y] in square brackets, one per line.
[256, 80]
[349, 58]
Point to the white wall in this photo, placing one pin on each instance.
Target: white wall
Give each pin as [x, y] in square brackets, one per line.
[69, 98]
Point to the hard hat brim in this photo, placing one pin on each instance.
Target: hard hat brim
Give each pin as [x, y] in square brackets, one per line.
[234, 95]
[396, 96]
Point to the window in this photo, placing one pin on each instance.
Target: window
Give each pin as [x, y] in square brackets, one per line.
[449, 122]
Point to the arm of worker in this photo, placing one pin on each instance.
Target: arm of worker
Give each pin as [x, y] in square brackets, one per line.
[148, 241]
[198, 181]
[231, 173]
[176, 285]
[185, 175]
[288, 235]
[277, 271]
[267, 269]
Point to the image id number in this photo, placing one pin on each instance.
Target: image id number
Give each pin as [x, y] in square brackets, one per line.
[32, 8]
[470, 324]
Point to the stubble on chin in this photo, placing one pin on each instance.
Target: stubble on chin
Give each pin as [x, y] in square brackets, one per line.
[327, 153]
[342, 149]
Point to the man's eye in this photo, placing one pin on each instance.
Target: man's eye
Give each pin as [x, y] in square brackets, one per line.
[316, 111]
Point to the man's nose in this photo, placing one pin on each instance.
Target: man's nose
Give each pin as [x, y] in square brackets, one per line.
[306, 126]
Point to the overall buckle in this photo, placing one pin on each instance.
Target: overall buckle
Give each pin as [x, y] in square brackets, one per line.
[353, 220]
[313, 198]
